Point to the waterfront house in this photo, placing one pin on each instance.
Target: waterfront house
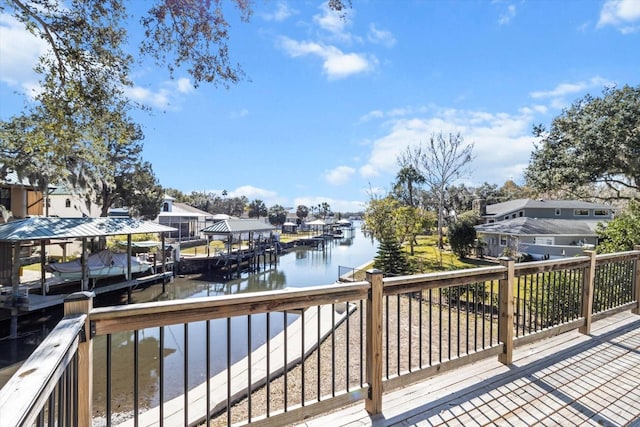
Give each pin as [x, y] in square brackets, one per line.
[188, 221]
[19, 197]
[65, 203]
[540, 228]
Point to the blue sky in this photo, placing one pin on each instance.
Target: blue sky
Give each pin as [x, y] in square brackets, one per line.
[328, 104]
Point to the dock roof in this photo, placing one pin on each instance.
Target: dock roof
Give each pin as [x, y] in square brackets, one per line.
[44, 228]
[235, 226]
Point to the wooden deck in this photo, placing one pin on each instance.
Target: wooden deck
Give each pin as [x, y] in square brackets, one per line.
[568, 380]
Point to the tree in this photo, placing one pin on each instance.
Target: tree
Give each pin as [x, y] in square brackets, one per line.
[409, 224]
[621, 233]
[87, 68]
[302, 212]
[236, 205]
[139, 190]
[390, 258]
[440, 161]
[257, 209]
[324, 209]
[84, 36]
[379, 216]
[462, 234]
[596, 140]
[114, 173]
[406, 180]
[277, 215]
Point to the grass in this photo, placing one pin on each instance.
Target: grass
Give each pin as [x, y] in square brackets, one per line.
[428, 258]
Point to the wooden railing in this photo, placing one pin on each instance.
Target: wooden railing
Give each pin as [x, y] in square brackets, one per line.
[321, 347]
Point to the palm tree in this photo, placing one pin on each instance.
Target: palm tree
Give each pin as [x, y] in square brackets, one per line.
[408, 176]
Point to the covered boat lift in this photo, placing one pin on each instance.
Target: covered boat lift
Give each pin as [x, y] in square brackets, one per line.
[241, 228]
[50, 230]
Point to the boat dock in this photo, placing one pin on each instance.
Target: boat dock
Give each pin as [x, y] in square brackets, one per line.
[29, 301]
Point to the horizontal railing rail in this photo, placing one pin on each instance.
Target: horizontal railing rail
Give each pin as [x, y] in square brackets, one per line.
[282, 356]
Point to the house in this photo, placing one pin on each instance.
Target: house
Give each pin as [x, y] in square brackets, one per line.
[540, 228]
[188, 221]
[65, 203]
[19, 197]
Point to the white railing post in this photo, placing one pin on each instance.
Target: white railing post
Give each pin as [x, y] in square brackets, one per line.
[82, 302]
[506, 311]
[373, 402]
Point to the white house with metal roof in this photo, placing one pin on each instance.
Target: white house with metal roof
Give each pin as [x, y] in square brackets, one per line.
[541, 228]
[188, 221]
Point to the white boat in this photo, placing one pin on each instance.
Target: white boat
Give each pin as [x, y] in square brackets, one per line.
[102, 264]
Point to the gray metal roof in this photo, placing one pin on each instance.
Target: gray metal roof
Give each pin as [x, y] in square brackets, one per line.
[235, 226]
[540, 227]
[499, 209]
[38, 228]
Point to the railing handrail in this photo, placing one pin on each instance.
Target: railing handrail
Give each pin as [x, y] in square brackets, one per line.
[619, 256]
[37, 378]
[26, 393]
[443, 279]
[108, 320]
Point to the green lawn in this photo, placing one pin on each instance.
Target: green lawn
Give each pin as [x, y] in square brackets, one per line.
[427, 257]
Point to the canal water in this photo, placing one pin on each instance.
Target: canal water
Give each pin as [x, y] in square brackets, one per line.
[300, 267]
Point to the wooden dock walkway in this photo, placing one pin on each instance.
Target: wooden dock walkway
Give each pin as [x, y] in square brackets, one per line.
[569, 380]
[32, 301]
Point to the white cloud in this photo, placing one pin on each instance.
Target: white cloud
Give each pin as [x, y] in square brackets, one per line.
[253, 193]
[332, 21]
[507, 15]
[239, 114]
[184, 85]
[157, 99]
[382, 37]
[563, 94]
[393, 113]
[336, 64]
[336, 205]
[622, 14]
[168, 96]
[281, 13]
[374, 114]
[502, 142]
[19, 50]
[339, 175]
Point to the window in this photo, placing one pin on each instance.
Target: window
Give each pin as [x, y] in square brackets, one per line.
[601, 212]
[521, 214]
[503, 240]
[547, 241]
[558, 211]
[5, 198]
[581, 212]
[67, 203]
[165, 207]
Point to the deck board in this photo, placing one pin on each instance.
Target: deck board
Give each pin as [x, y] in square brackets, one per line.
[570, 379]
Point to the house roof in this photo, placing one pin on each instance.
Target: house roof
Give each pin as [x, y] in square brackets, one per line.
[182, 209]
[540, 227]
[503, 208]
[12, 178]
[39, 228]
[235, 226]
